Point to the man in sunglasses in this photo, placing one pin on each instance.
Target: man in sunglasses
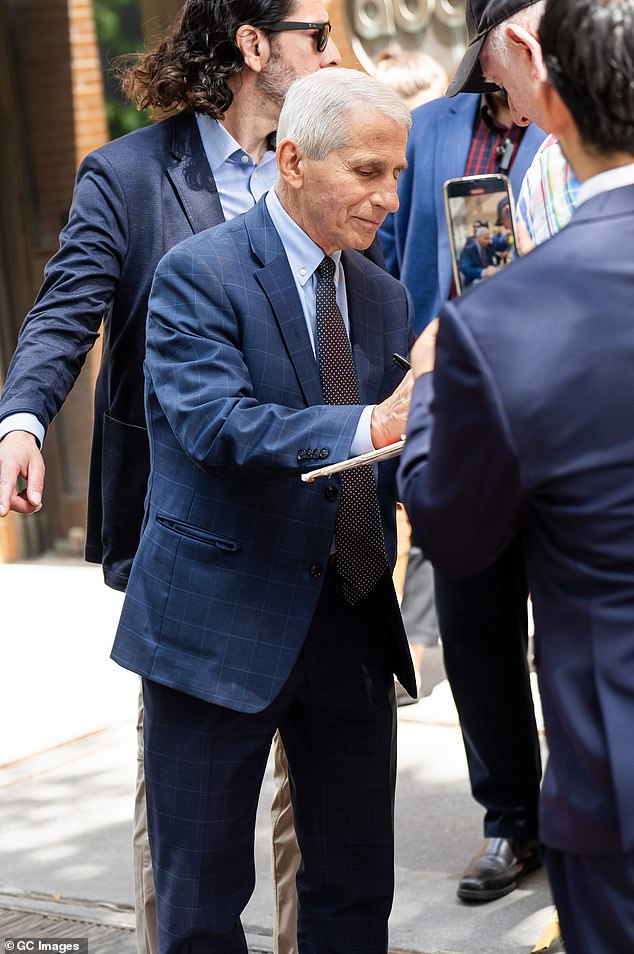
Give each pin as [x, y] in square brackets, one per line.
[222, 71]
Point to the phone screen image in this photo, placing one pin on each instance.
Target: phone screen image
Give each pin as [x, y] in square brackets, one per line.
[479, 211]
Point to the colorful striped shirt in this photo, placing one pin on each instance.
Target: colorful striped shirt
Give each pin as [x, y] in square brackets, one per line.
[549, 193]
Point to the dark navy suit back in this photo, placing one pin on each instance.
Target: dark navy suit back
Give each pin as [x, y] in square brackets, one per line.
[543, 370]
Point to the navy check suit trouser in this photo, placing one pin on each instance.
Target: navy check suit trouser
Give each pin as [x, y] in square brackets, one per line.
[204, 769]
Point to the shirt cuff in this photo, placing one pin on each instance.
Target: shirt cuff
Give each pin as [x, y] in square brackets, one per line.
[23, 422]
[362, 440]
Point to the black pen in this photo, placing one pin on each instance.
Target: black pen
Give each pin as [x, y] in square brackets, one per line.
[402, 362]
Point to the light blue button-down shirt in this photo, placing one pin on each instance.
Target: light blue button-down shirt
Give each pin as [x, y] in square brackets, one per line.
[239, 180]
[304, 257]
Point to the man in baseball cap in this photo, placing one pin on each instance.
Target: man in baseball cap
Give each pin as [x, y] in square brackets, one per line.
[503, 52]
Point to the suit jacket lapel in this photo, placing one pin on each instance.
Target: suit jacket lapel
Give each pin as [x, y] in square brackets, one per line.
[191, 176]
[452, 150]
[276, 279]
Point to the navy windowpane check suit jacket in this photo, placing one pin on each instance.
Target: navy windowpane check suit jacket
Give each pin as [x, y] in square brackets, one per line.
[233, 553]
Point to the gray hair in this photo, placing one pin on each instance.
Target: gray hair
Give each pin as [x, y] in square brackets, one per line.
[497, 43]
[318, 108]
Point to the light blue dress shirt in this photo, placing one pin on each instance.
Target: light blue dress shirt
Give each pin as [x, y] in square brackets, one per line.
[239, 180]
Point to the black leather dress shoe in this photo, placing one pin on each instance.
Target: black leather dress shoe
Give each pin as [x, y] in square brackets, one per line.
[497, 868]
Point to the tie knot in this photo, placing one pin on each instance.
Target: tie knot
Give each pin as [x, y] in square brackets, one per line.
[326, 268]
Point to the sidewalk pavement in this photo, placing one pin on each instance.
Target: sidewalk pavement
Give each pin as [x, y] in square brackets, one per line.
[67, 770]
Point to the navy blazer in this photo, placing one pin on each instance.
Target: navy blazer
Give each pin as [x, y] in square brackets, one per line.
[134, 199]
[233, 554]
[415, 240]
[532, 429]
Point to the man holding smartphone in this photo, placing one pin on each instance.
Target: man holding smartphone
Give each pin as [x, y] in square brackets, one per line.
[482, 621]
[541, 362]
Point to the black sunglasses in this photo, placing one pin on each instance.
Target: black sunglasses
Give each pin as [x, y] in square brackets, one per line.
[323, 30]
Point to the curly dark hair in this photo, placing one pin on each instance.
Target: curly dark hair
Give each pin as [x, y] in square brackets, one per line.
[588, 48]
[191, 66]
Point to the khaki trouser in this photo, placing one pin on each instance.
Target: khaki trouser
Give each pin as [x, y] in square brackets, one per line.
[144, 899]
[285, 857]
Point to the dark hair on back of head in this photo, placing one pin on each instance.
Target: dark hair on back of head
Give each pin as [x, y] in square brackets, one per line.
[190, 68]
[588, 48]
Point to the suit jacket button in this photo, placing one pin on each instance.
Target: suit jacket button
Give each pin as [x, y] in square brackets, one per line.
[324, 453]
[315, 570]
[316, 454]
[331, 493]
[301, 455]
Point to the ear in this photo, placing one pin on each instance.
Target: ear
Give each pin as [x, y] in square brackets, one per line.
[556, 115]
[254, 46]
[523, 40]
[290, 163]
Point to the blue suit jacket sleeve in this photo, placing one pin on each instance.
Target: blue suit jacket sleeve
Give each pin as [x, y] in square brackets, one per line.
[459, 476]
[78, 290]
[198, 367]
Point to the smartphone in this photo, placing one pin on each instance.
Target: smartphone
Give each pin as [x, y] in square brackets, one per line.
[481, 223]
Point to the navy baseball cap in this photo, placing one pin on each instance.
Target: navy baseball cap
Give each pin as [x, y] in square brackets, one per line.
[482, 16]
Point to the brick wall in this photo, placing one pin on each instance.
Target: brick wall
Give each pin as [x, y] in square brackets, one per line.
[57, 112]
[60, 86]
[87, 88]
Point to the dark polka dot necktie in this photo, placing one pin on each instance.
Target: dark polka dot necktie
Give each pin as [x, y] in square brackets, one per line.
[361, 555]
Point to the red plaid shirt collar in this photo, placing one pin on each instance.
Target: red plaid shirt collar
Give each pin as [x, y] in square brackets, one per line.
[489, 142]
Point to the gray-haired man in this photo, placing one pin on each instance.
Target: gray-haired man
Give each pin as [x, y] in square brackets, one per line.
[257, 602]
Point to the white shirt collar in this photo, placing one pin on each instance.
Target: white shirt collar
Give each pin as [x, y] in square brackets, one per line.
[605, 182]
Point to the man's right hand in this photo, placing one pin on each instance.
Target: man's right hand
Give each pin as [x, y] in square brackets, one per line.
[20, 456]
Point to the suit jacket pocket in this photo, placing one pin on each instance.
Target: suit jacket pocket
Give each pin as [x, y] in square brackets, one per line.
[198, 533]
